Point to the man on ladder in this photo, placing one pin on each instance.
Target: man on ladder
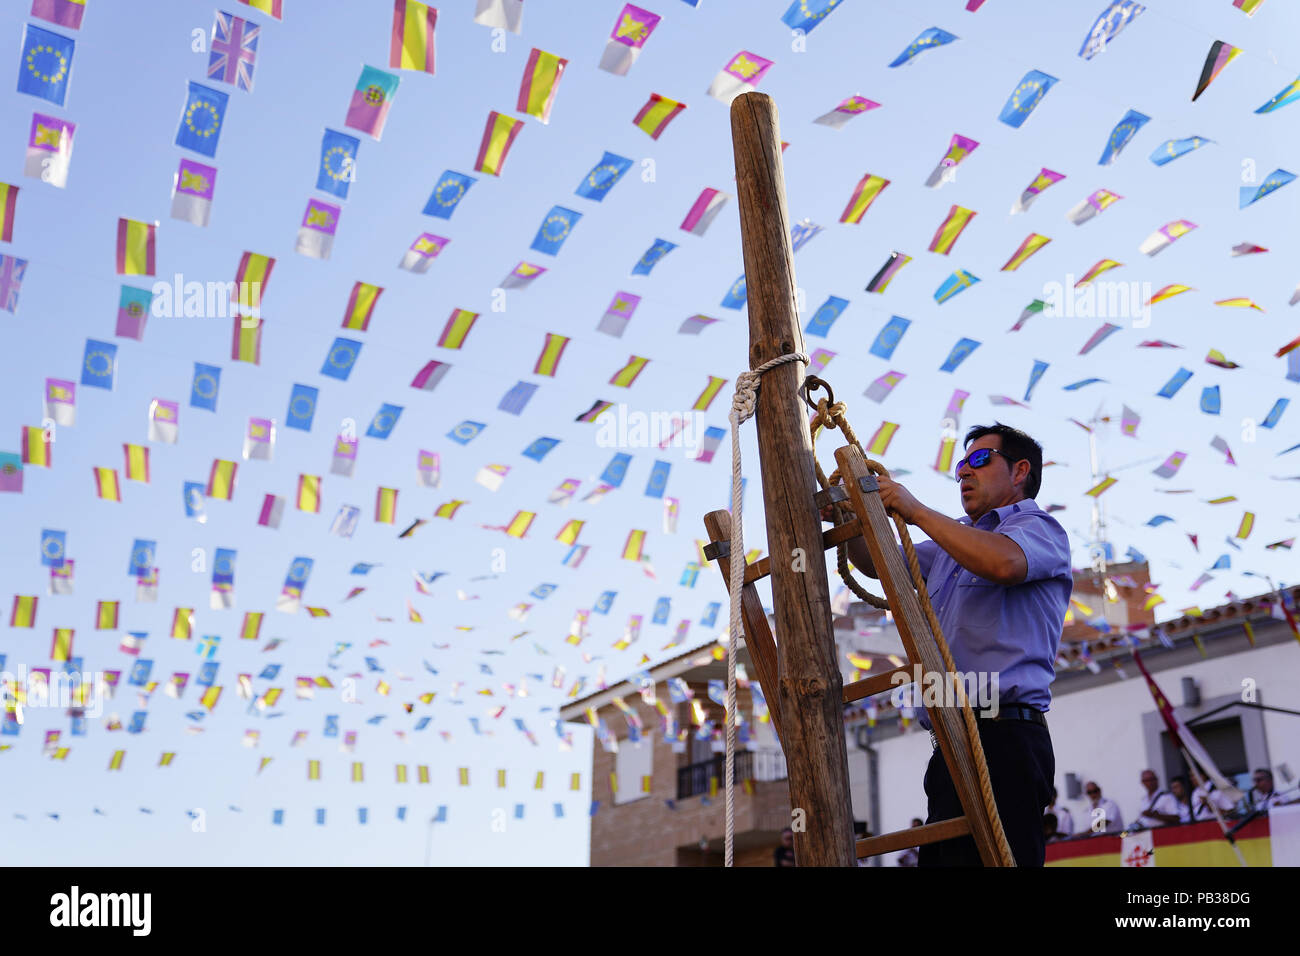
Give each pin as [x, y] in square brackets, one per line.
[1000, 582]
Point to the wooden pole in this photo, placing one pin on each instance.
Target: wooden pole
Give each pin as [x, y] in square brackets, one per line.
[810, 686]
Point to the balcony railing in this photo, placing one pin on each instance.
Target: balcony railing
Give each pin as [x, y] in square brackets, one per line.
[694, 779]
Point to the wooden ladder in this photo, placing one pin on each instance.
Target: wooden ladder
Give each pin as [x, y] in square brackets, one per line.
[870, 520]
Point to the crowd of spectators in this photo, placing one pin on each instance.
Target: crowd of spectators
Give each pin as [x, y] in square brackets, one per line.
[1158, 807]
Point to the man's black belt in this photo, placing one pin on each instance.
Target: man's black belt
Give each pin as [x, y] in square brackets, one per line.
[1017, 712]
[1006, 712]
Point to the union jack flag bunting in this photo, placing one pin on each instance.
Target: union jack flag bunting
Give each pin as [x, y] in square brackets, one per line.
[234, 50]
[11, 281]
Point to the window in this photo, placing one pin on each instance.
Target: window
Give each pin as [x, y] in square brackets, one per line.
[1223, 741]
[634, 761]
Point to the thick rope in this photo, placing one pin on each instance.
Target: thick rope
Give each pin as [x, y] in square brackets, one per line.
[832, 416]
[743, 403]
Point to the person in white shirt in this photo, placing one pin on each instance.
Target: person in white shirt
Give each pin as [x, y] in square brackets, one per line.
[1064, 821]
[1183, 796]
[1262, 796]
[1204, 800]
[1156, 806]
[1103, 813]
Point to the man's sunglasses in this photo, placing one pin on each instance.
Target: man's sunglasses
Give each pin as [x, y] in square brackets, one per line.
[980, 458]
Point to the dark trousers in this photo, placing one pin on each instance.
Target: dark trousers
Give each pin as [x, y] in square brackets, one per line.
[1022, 768]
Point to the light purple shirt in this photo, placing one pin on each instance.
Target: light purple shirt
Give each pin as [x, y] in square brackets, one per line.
[1014, 631]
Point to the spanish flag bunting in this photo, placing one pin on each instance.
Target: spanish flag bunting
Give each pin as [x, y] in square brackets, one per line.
[881, 439]
[946, 235]
[613, 783]
[1217, 358]
[457, 328]
[246, 339]
[261, 765]
[520, 523]
[1033, 242]
[501, 779]
[540, 82]
[401, 773]
[251, 277]
[463, 774]
[1250, 632]
[1247, 523]
[135, 247]
[61, 644]
[422, 773]
[386, 505]
[868, 188]
[709, 394]
[361, 305]
[498, 136]
[1289, 347]
[448, 510]
[412, 42]
[625, 376]
[700, 557]
[24, 611]
[137, 462]
[1240, 302]
[252, 626]
[106, 615]
[116, 762]
[1097, 490]
[569, 533]
[221, 480]
[575, 781]
[106, 484]
[358, 772]
[549, 360]
[183, 623]
[8, 202]
[412, 614]
[1102, 265]
[210, 697]
[37, 448]
[382, 688]
[632, 547]
[272, 8]
[657, 113]
[318, 611]
[309, 493]
[1168, 292]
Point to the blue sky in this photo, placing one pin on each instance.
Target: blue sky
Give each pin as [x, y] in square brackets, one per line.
[128, 87]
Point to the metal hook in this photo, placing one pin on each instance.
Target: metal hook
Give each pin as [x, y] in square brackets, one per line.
[811, 383]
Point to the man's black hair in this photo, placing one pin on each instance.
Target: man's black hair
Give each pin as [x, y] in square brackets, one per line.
[1017, 445]
[1265, 771]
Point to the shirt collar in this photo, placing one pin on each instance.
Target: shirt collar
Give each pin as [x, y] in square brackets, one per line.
[999, 514]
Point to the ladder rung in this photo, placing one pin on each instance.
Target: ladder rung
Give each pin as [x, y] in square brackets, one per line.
[829, 496]
[916, 836]
[763, 567]
[876, 684]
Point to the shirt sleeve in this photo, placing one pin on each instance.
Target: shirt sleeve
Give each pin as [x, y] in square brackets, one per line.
[1042, 539]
